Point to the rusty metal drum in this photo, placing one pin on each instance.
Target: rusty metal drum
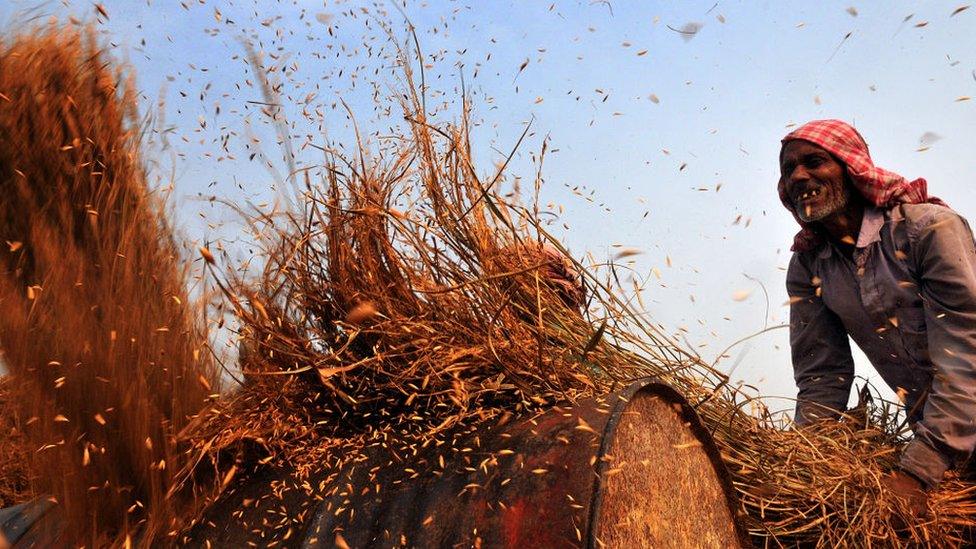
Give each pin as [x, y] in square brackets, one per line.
[634, 468]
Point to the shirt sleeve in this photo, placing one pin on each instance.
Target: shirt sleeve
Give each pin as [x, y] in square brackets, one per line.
[946, 261]
[822, 363]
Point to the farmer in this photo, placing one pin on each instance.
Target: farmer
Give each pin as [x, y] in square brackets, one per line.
[553, 267]
[881, 261]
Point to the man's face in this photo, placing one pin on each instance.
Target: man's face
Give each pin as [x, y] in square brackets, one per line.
[814, 181]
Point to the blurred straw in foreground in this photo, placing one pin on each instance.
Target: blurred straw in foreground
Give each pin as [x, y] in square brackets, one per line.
[101, 341]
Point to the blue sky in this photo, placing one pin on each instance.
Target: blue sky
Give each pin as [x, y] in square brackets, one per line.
[649, 120]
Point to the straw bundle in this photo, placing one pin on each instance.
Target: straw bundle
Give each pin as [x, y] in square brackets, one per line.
[402, 294]
[820, 485]
[97, 330]
[405, 287]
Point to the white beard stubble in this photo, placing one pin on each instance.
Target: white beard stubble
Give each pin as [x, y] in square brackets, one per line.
[833, 204]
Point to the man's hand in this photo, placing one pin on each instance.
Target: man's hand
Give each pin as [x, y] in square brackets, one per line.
[909, 490]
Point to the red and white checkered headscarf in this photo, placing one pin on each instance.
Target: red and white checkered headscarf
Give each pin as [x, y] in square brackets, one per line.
[878, 186]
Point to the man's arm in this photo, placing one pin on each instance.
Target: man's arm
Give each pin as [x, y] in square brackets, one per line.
[822, 363]
[944, 254]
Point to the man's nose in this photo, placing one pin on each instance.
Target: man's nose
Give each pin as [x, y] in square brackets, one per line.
[799, 174]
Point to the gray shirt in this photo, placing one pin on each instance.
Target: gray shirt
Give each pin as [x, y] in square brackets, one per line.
[908, 299]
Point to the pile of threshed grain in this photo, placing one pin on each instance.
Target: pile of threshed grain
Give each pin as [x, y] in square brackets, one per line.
[106, 354]
[389, 305]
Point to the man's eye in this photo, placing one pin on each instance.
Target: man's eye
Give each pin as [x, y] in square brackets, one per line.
[815, 161]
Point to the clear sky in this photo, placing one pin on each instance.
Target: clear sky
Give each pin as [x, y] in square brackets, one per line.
[682, 127]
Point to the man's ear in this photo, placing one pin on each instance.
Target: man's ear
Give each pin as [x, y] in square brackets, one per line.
[852, 191]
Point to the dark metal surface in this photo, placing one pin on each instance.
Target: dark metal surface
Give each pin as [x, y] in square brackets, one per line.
[532, 482]
[37, 523]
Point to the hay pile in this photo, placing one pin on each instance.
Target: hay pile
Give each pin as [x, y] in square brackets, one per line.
[106, 352]
[400, 300]
[820, 485]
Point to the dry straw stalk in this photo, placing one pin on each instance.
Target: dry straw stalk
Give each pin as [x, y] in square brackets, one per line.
[98, 333]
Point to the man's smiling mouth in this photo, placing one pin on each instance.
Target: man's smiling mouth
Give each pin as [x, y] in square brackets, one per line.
[807, 195]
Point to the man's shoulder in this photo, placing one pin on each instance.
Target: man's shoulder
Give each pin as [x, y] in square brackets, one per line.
[922, 214]
[921, 219]
[806, 260]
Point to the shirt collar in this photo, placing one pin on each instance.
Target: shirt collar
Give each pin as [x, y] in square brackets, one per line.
[871, 223]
